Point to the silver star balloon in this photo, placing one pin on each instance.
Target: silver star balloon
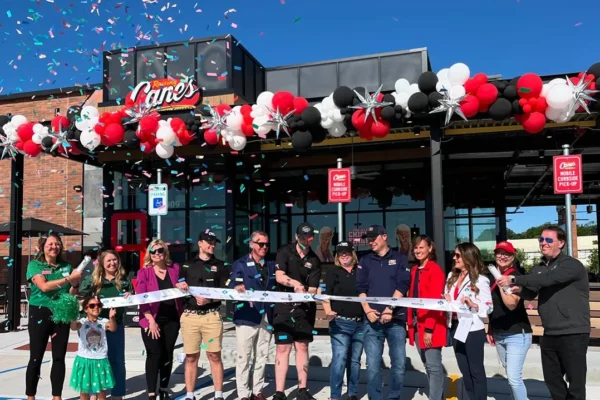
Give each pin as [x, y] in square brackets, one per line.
[60, 140]
[369, 103]
[279, 120]
[8, 147]
[139, 111]
[449, 106]
[580, 95]
[215, 121]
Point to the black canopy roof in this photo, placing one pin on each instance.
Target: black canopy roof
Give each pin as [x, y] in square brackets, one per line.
[33, 227]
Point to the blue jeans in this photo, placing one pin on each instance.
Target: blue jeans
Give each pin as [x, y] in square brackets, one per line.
[512, 349]
[375, 336]
[116, 357]
[346, 339]
[432, 359]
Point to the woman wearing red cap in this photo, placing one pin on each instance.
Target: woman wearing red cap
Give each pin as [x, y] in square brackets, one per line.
[509, 329]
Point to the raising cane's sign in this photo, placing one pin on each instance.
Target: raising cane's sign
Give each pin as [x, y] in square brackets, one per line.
[568, 174]
[168, 94]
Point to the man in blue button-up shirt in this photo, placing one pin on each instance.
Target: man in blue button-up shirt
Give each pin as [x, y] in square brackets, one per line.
[253, 320]
[383, 273]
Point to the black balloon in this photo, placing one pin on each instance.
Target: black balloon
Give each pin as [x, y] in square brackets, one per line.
[418, 102]
[47, 142]
[500, 85]
[4, 120]
[318, 134]
[130, 140]
[388, 113]
[427, 82]
[594, 70]
[513, 81]
[500, 109]
[302, 140]
[311, 117]
[388, 98]
[301, 124]
[73, 112]
[343, 96]
[516, 107]
[361, 90]
[510, 92]
[434, 99]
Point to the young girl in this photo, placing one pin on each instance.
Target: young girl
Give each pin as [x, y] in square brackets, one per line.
[91, 369]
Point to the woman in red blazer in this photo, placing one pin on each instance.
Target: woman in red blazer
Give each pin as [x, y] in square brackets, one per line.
[159, 321]
[428, 328]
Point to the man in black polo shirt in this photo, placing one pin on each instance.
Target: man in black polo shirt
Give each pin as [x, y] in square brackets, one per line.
[201, 323]
[297, 269]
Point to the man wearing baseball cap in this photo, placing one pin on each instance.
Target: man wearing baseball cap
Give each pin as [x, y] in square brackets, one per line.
[383, 273]
[201, 322]
[297, 270]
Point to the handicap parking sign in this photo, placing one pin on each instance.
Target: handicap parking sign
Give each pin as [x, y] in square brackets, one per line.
[158, 199]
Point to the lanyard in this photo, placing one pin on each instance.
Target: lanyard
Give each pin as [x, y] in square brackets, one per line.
[464, 284]
[507, 272]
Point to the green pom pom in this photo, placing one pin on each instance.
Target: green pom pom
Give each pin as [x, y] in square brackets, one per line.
[65, 308]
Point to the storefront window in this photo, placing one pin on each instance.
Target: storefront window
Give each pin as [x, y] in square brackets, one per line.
[485, 230]
[456, 231]
[172, 227]
[364, 203]
[207, 194]
[214, 220]
[413, 220]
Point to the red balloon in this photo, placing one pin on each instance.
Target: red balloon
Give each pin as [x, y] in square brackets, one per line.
[540, 105]
[113, 134]
[483, 107]
[211, 137]
[147, 147]
[222, 109]
[590, 78]
[246, 110]
[534, 123]
[104, 117]
[115, 118]
[471, 86]
[247, 130]
[592, 86]
[300, 104]
[19, 145]
[523, 102]
[73, 150]
[178, 126]
[25, 131]
[470, 106]
[185, 137]
[31, 149]
[480, 79]
[128, 100]
[284, 101]
[99, 128]
[527, 108]
[529, 85]
[358, 120]
[487, 93]
[60, 122]
[521, 117]
[148, 125]
[380, 129]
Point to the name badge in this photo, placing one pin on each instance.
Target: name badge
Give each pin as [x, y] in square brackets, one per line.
[213, 268]
[46, 272]
[250, 264]
[307, 265]
[209, 280]
[239, 279]
[392, 262]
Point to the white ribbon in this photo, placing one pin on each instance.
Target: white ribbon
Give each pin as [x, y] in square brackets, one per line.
[278, 297]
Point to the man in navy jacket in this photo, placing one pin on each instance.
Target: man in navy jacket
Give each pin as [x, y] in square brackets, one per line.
[253, 320]
[383, 273]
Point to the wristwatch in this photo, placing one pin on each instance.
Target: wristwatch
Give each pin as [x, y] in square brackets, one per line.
[512, 279]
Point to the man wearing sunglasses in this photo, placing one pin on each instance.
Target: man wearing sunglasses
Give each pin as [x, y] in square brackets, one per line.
[253, 320]
[298, 269]
[383, 273]
[201, 323]
[563, 290]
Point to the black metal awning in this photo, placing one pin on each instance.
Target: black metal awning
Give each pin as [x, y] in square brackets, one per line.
[33, 227]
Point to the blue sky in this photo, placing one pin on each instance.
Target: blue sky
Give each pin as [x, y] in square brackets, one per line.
[57, 43]
[534, 216]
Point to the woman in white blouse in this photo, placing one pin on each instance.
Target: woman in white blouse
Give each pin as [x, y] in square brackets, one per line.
[468, 285]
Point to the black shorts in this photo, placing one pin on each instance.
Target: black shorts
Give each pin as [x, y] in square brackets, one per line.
[290, 329]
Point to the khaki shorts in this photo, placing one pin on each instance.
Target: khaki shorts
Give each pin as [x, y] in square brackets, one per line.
[201, 332]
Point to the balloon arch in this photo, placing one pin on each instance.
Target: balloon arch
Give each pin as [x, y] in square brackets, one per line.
[280, 115]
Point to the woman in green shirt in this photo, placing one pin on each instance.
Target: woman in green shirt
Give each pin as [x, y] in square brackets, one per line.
[49, 276]
[109, 280]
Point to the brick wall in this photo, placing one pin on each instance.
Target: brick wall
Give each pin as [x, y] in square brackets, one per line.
[48, 194]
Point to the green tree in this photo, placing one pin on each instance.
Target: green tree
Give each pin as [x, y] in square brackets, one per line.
[593, 260]
[521, 256]
[589, 229]
[512, 235]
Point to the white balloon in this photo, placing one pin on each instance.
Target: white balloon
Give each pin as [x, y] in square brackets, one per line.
[456, 91]
[265, 99]
[167, 135]
[412, 89]
[89, 139]
[337, 115]
[164, 151]
[458, 74]
[443, 74]
[328, 123]
[12, 136]
[545, 90]
[235, 119]
[38, 128]
[18, 120]
[36, 138]
[401, 85]
[260, 125]
[9, 129]
[441, 85]
[557, 81]
[89, 112]
[559, 97]
[337, 130]
[402, 99]
[238, 142]
[259, 111]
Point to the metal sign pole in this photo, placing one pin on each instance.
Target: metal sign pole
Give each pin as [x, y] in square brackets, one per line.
[340, 212]
[568, 215]
[158, 217]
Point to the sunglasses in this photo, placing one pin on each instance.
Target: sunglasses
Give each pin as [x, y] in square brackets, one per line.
[457, 256]
[93, 306]
[262, 244]
[546, 239]
[160, 250]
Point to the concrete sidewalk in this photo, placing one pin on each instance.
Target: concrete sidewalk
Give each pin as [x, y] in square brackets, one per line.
[14, 361]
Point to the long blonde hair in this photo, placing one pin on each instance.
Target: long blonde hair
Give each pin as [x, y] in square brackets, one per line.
[148, 260]
[473, 263]
[98, 273]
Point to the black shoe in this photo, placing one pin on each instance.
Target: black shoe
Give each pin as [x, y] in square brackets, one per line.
[151, 397]
[303, 394]
[353, 398]
[279, 396]
[164, 395]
